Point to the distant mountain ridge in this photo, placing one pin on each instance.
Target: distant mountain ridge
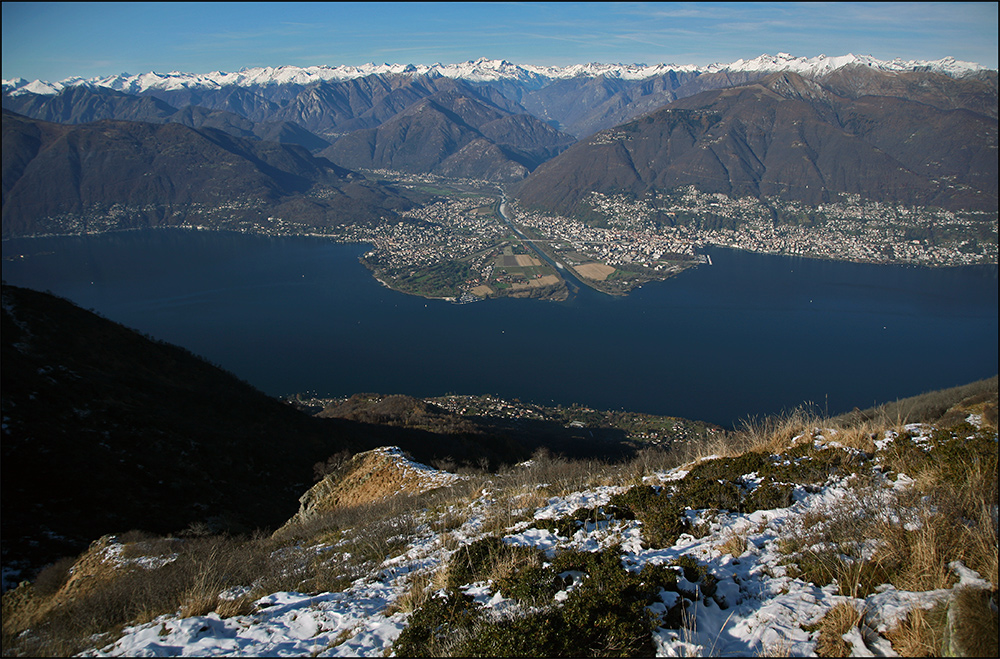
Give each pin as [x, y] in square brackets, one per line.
[80, 105]
[453, 133]
[579, 99]
[481, 70]
[467, 131]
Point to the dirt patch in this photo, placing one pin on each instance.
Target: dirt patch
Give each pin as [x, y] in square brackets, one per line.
[595, 271]
[482, 291]
[525, 260]
[547, 280]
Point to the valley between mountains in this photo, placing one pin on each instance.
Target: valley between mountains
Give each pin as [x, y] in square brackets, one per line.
[619, 175]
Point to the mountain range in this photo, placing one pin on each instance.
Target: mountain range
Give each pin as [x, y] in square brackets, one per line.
[807, 129]
[487, 70]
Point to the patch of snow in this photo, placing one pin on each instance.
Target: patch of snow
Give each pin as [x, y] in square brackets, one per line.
[563, 506]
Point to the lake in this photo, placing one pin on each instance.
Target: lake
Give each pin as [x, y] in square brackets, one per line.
[750, 335]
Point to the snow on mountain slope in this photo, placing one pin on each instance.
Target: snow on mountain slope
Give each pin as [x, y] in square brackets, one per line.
[757, 605]
[481, 70]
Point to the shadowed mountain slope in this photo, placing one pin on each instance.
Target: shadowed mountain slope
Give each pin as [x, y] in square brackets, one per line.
[120, 175]
[106, 430]
[453, 133]
[81, 105]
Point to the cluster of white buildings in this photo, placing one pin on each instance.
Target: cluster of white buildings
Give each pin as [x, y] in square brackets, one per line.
[853, 229]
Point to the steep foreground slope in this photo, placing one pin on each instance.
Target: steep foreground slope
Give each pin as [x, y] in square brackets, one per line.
[797, 537]
[105, 430]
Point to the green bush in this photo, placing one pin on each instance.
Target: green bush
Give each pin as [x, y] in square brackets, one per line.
[605, 613]
[432, 628]
[700, 493]
[729, 469]
[569, 525]
[532, 584]
[696, 573]
[807, 465]
[768, 496]
[663, 520]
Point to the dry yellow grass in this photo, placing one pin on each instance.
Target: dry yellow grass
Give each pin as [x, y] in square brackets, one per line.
[963, 626]
[838, 621]
[239, 606]
[415, 595]
[595, 271]
[920, 633]
[777, 649]
[971, 630]
[735, 545]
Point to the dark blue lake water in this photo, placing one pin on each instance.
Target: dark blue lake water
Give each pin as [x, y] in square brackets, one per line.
[750, 335]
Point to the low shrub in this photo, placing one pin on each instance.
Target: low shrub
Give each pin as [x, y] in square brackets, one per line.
[434, 629]
[663, 520]
[605, 612]
[568, 526]
[769, 496]
[696, 573]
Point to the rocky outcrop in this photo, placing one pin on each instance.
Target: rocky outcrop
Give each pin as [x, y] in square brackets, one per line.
[368, 477]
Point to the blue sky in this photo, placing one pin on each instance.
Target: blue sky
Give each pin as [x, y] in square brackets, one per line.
[53, 41]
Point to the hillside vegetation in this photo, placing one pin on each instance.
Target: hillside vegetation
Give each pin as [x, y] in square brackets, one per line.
[874, 533]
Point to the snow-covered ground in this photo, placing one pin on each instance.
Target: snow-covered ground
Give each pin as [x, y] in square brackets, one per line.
[766, 609]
